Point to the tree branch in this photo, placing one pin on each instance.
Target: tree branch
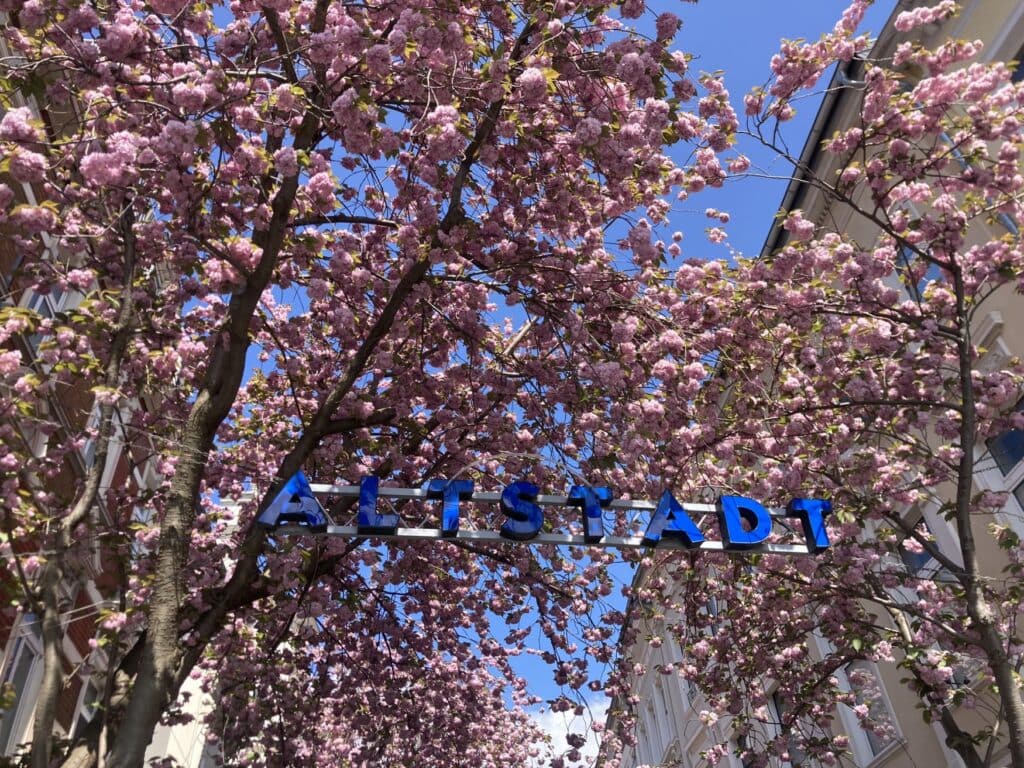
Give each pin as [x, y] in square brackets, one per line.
[339, 426]
[342, 218]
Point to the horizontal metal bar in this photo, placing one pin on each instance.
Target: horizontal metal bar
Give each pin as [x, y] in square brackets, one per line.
[557, 539]
[544, 500]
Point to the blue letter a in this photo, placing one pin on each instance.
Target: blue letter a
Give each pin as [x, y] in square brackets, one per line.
[295, 504]
[670, 520]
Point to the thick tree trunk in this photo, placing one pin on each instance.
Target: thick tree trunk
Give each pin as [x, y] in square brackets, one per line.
[156, 683]
[53, 575]
[994, 645]
[165, 663]
[159, 677]
[983, 619]
[53, 675]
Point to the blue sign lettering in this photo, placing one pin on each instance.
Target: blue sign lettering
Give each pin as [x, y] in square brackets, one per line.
[369, 520]
[450, 491]
[297, 505]
[811, 513]
[744, 522]
[592, 500]
[526, 518]
[670, 520]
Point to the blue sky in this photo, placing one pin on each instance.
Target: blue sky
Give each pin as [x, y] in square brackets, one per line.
[739, 38]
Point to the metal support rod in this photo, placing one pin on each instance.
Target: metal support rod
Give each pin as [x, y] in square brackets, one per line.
[556, 539]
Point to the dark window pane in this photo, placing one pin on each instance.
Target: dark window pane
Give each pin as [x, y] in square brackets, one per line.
[914, 560]
[1008, 448]
[1018, 70]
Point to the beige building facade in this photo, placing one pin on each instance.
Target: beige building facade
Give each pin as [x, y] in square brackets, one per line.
[674, 726]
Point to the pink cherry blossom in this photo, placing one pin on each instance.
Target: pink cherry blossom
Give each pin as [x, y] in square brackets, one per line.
[103, 168]
[532, 85]
[18, 125]
[27, 166]
[801, 228]
[10, 361]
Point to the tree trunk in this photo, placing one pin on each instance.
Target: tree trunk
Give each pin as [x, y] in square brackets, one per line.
[155, 686]
[994, 646]
[980, 612]
[53, 674]
[157, 683]
[54, 569]
[165, 663]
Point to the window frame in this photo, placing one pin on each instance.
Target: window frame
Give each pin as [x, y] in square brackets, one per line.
[860, 739]
[25, 637]
[778, 708]
[1017, 436]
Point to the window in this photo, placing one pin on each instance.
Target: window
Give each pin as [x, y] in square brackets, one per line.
[711, 610]
[39, 304]
[914, 556]
[142, 518]
[743, 751]
[21, 676]
[689, 691]
[46, 307]
[89, 448]
[1007, 449]
[86, 710]
[1018, 493]
[908, 265]
[1018, 70]
[872, 709]
[797, 757]
[917, 560]
[965, 668]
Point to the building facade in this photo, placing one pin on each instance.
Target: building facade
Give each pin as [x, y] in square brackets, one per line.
[674, 725]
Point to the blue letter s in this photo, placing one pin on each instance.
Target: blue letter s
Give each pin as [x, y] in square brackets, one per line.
[526, 517]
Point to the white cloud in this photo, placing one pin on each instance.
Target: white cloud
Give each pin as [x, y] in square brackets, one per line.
[557, 725]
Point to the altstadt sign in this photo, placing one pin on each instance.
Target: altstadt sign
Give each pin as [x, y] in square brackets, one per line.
[745, 524]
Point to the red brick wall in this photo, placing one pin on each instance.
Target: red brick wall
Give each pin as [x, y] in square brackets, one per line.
[83, 628]
[8, 613]
[67, 702]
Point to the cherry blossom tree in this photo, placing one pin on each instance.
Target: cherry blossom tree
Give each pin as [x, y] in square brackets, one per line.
[348, 239]
[861, 369]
